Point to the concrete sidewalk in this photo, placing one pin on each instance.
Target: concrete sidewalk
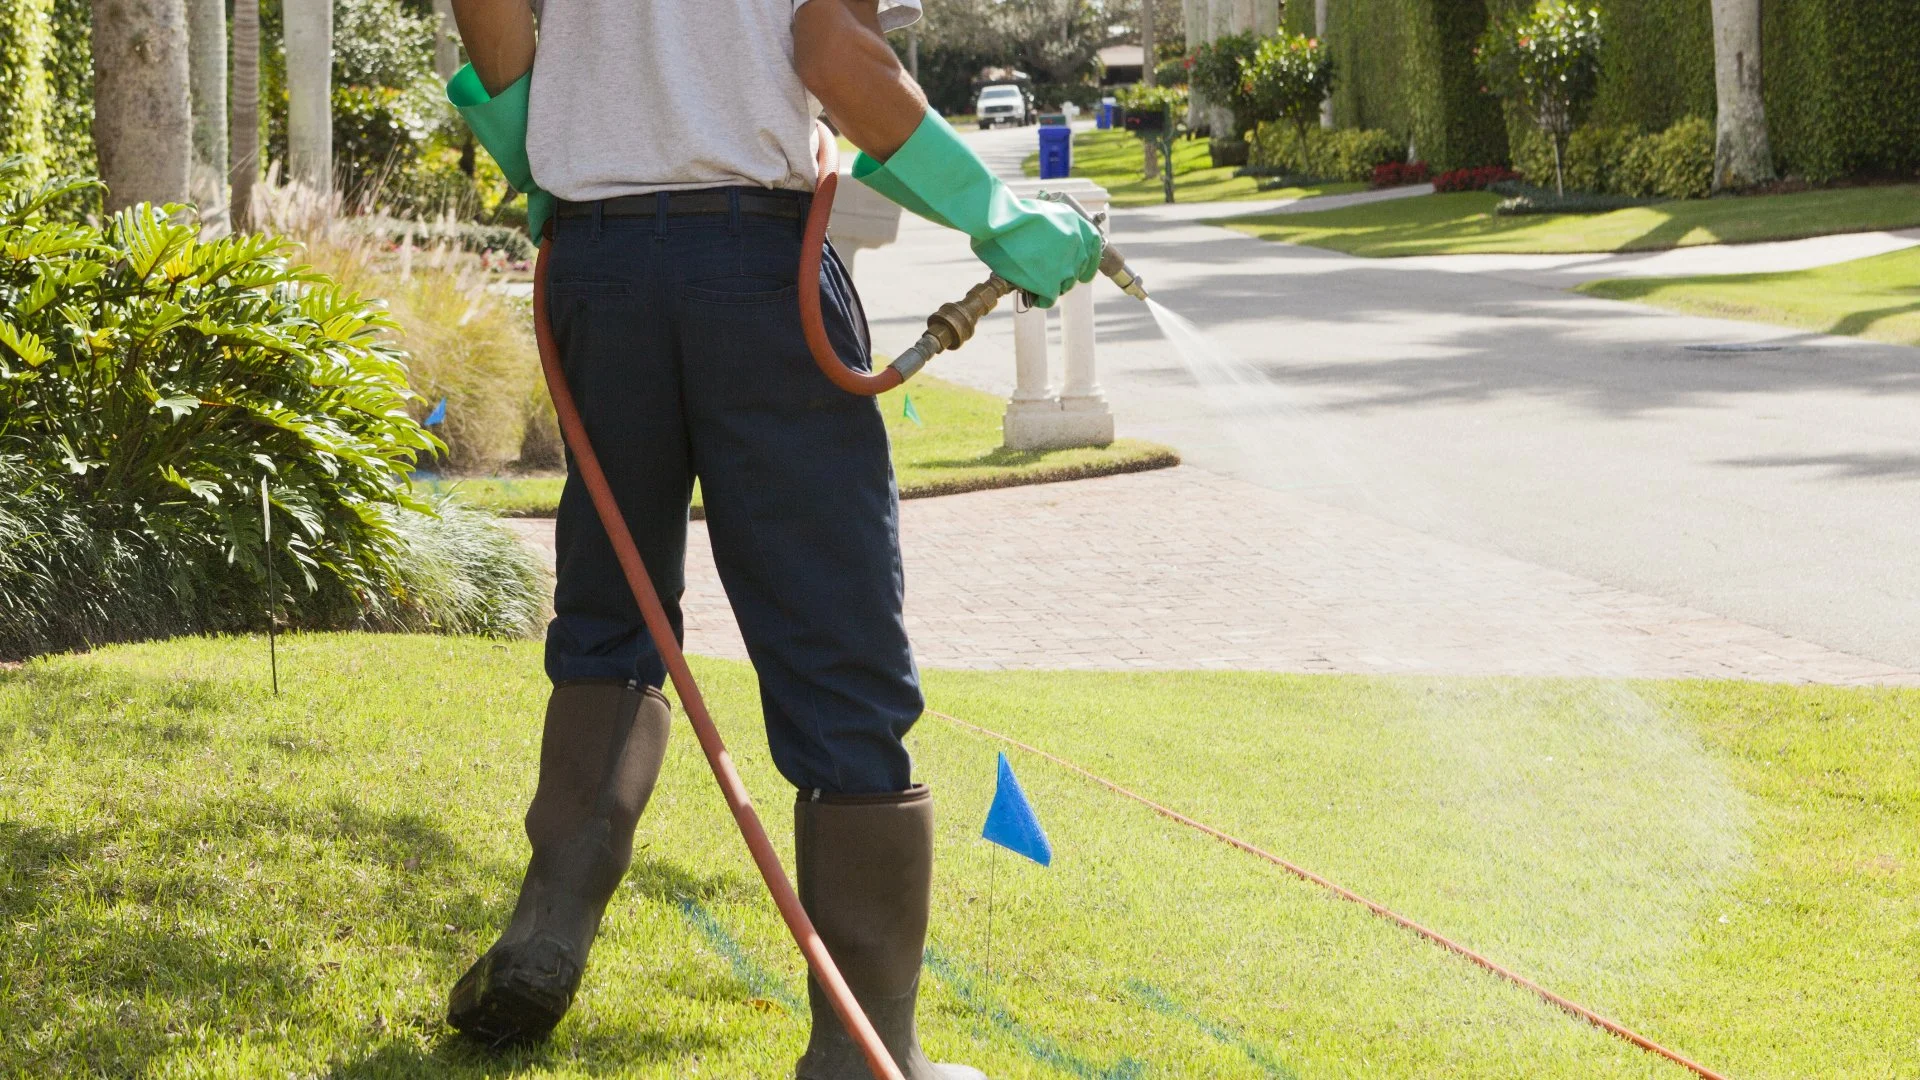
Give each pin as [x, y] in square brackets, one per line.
[1185, 569]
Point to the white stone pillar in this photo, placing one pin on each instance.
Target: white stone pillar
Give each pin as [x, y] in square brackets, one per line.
[1030, 359]
[1037, 417]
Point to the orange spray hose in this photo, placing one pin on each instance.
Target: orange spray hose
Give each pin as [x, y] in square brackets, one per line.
[574, 431]
[812, 244]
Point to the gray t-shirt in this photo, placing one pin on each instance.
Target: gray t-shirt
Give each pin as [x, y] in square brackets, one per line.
[633, 96]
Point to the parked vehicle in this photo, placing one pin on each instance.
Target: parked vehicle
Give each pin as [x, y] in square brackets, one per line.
[1003, 104]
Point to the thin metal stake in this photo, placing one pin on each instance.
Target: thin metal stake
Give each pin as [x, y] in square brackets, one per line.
[993, 863]
[273, 603]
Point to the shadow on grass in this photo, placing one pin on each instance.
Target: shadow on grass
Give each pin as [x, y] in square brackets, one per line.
[1856, 324]
[130, 941]
[581, 1048]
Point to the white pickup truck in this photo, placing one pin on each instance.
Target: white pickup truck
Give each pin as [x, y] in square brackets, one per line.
[1003, 104]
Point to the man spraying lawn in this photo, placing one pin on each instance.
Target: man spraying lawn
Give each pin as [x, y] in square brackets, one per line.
[666, 149]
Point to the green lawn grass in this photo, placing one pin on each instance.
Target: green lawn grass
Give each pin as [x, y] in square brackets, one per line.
[1876, 298]
[200, 879]
[1464, 223]
[1113, 160]
[955, 447]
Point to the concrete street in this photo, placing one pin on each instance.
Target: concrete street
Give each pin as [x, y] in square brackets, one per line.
[1476, 403]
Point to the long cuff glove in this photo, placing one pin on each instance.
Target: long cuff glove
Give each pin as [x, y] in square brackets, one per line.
[500, 123]
[1042, 247]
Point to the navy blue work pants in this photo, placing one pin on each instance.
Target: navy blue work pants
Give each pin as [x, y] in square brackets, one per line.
[681, 339]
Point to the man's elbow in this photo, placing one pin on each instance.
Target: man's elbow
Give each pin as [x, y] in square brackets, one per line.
[836, 51]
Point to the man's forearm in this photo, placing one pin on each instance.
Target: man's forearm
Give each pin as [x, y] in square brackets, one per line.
[844, 59]
[498, 35]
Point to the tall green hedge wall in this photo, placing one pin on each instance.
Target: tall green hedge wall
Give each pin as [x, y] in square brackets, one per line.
[1842, 76]
[1407, 66]
[46, 84]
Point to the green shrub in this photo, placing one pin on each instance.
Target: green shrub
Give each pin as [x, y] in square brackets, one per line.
[1546, 63]
[1613, 159]
[1142, 98]
[1332, 155]
[1215, 75]
[379, 133]
[1286, 79]
[149, 382]
[1673, 164]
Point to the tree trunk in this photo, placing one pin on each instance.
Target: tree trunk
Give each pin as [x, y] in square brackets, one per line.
[142, 120]
[1320, 34]
[207, 62]
[244, 124]
[309, 43]
[1150, 163]
[1194, 13]
[446, 41]
[1741, 156]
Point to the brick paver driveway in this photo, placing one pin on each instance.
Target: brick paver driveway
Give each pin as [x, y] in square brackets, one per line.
[1188, 569]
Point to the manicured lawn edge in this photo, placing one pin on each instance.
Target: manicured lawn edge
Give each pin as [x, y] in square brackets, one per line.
[1464, 224]
[1148, 457]
[1876, 298]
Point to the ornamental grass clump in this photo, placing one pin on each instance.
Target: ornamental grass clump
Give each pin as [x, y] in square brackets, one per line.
[1545, 61]
[150, 383]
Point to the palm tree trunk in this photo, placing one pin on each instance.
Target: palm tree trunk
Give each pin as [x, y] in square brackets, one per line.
[244, 126]
[207, 65]
[142, 119]
[309, 43]
[1741, 156]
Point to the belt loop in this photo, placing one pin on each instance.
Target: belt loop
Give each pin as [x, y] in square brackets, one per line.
[660, 200]
[599, 218]
[733, 210]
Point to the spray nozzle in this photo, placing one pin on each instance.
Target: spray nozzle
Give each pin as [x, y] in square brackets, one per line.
[1112, 263]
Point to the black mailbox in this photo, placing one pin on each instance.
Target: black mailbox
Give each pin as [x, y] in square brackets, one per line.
[1145, 121]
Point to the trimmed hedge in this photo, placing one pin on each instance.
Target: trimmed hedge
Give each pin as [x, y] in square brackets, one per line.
[1843, 86]
[46, 87]
[1406, 66]
[1621, 160]
[1842, 77]
[1336, 155]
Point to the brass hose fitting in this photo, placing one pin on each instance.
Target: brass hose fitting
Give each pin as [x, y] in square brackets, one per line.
[952, 325]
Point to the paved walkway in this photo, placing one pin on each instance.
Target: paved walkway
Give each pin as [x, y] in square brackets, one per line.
[1186, 569]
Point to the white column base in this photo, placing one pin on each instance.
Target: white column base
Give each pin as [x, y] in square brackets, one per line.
[1048, 425]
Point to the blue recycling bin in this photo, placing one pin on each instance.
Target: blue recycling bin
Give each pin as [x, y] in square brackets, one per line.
[1104, 118]
[1056, 152]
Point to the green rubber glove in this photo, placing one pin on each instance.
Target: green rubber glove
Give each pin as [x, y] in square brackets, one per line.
[1043, 247]
[500, 123]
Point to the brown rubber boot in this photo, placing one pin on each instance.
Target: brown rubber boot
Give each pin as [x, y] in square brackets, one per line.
[866, 875]
[599, 758]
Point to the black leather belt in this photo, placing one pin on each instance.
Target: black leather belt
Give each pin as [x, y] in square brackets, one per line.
[759, 202]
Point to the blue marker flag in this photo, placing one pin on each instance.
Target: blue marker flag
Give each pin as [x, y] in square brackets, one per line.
[1011, 822]
[437, 416]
